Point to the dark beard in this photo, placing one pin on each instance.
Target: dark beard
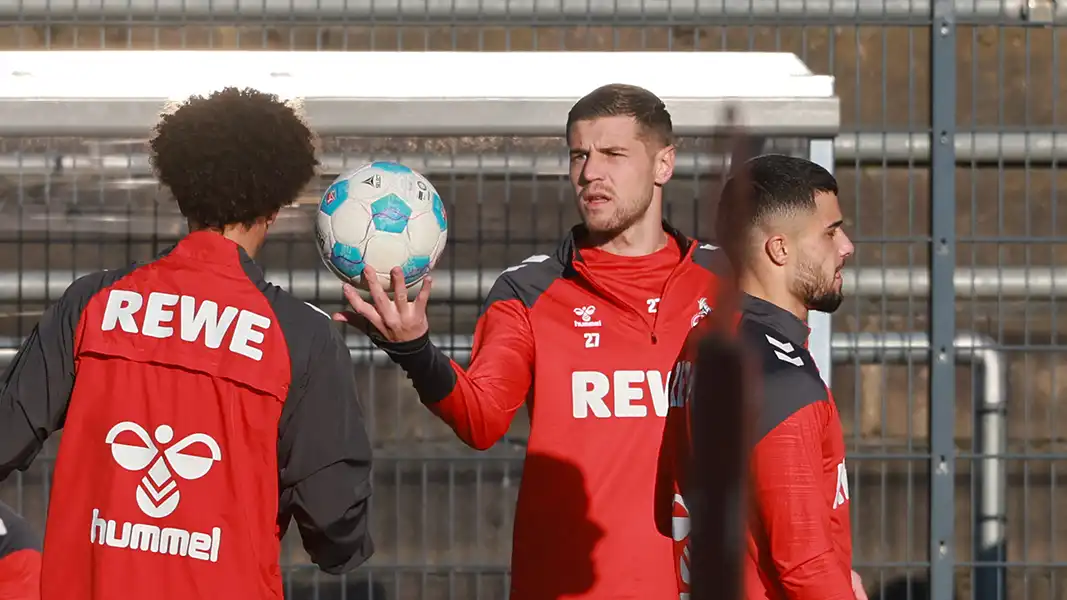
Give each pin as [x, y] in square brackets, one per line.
[817, 295]
[827, 302]
[624, 222]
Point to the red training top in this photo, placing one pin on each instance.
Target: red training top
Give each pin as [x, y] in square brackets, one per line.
[586, 339]
[799, 541]
[202, 409]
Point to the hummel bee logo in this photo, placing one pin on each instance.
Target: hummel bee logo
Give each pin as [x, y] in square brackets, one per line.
[157, 493]
[585, 314]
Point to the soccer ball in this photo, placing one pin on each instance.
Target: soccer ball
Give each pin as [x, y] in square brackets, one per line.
[385, 215]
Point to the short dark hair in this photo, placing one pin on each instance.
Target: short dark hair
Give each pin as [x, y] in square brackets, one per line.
[767, 186]
[621, 100]
[234, 157]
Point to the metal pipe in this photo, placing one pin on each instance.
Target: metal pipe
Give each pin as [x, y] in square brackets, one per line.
[1033, 147]
[991, 430]
[866, 348]
[492, 12]
[472, 285]
[490, 162]
[1036, 148]
[990, 424]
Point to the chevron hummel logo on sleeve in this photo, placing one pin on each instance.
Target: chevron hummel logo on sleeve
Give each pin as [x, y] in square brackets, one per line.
[536, 258]
[784, 348]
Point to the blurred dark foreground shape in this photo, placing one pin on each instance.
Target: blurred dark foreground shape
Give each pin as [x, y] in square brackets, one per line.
[718, 509]
[720, 416]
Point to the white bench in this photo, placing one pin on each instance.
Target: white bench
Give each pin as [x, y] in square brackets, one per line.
[120, 94]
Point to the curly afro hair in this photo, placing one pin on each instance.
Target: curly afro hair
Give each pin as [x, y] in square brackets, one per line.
[234, 157]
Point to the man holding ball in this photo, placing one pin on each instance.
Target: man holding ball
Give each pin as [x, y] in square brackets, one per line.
[586, 339]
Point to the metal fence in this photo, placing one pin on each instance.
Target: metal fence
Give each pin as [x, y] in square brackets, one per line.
[951, 186]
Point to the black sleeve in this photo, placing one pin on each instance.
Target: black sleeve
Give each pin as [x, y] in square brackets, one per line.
[15, 533]
[35, 389]
[324, 457]
[428, 368]
[431, 371]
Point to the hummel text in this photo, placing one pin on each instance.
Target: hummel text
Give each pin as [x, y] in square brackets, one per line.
[150, 538]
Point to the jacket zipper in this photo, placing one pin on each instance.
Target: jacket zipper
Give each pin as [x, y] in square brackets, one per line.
[663, 293]
[604, 292]
[686, 257]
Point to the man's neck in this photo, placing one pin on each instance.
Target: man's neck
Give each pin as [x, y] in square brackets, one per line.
[640, 239]
[248, 239]
[749, 283]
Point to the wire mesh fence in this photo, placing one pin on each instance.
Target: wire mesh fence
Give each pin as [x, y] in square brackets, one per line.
[443, 513]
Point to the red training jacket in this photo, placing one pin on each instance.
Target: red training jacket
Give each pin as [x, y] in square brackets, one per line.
[799, 541]
[593, 371]
[202, 409]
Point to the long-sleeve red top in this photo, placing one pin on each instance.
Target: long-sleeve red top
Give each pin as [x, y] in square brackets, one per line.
[585, 340]
[799, 538]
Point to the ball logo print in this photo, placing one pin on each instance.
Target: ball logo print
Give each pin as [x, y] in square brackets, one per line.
[157, 493]
[330, 198]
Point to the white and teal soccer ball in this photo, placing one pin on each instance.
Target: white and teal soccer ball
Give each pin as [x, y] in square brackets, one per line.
[385, 215]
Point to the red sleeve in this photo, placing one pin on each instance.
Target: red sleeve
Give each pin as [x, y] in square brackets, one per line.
[20, 575]
[791, 506]
[485, 396]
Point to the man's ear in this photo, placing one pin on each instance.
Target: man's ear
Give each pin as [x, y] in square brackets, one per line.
[777, 250]
[664, 165]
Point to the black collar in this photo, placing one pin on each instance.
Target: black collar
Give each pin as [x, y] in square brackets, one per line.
[776, 317]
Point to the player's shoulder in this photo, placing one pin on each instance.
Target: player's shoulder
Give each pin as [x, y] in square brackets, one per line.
[309, 331]
[84, 287]
[790, 379]
[303, 318]
[711, 258]
[526, 281]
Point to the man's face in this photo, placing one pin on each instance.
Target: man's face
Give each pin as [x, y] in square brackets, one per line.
[615, 171]
[822, 248]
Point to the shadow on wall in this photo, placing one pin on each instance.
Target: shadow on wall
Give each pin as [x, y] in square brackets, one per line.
[557, 536]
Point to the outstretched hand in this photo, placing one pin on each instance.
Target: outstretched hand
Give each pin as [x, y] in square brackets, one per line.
[857, 587]
[397, 320]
